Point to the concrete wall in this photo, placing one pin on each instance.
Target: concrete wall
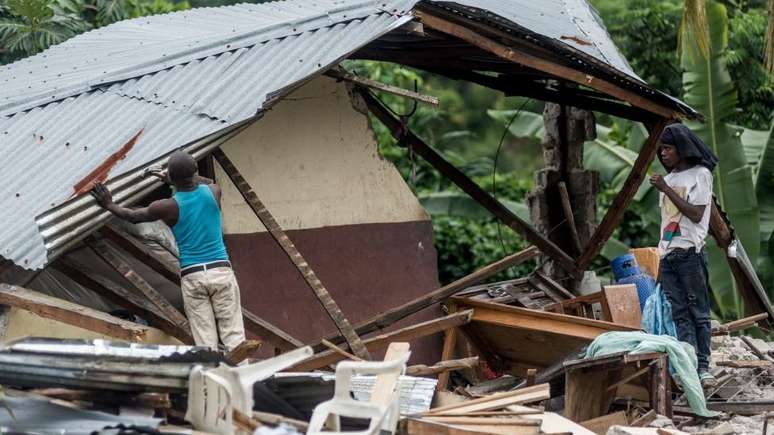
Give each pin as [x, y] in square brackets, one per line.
[314, 162]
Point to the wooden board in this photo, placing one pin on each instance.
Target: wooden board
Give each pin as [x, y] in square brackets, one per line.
[408, 333]
[623, 305]
[414, 426]
[648, 260]
[384, 384]
[600, 425]
[71, 313]
[496, 401]
[524, 338]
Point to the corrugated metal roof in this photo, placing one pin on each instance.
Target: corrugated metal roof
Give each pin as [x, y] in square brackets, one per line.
[170, 80]
[112, 101]
[572, 22]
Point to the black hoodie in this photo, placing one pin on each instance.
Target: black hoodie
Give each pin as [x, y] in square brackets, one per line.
[689, 147]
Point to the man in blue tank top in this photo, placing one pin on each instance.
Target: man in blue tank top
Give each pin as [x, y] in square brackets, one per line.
[209, 286]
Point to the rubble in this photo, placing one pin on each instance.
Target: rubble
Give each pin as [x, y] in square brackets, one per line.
[514, 357]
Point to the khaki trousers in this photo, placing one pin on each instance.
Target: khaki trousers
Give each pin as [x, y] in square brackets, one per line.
[212, 305]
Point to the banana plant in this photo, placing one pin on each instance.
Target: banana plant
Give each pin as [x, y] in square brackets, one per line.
[708, 87]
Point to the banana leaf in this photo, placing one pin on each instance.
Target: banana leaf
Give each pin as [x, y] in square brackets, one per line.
[708, 87]
[526, 124]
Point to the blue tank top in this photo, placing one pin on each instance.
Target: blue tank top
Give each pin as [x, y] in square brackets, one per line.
[198, 231]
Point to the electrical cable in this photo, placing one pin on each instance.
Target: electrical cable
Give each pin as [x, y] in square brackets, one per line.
[494, 166]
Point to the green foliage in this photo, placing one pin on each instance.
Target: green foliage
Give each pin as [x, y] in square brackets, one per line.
[709, 88]
[646, 32]
[28, 27]
[464, 245]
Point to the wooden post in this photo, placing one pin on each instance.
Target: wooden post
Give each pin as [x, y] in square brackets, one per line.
[279, 236]
[618, 207]
[448, 170]
[449, 344]
[393, 315]
[104, 251]
[570, 216]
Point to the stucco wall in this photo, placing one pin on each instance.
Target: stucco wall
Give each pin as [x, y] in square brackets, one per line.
[313, 161]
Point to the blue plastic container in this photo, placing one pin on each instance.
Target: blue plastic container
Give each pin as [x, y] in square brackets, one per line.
[627, 271]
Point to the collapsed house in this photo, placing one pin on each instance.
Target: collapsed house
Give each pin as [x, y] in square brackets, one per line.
[313, 216]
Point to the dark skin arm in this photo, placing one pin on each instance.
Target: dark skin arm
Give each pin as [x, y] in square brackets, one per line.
[164, 209]
[691, 211]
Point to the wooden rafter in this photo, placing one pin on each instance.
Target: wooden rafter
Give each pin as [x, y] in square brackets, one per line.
[109, 255]
[120, 296]
[287, 246]
[618, 207]
[408, 333]
[71, 313]
[552, 68]
[393, 315]
[481, 196]
[272, 334]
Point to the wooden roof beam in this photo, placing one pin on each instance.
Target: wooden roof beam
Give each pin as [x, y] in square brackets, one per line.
[547, 66]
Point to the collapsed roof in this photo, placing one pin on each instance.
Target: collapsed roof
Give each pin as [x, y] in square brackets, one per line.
[108, 103]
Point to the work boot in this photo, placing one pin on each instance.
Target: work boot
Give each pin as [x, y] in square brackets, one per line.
[706, 378]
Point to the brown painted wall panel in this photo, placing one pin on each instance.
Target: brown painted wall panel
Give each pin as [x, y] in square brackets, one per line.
[367, 268]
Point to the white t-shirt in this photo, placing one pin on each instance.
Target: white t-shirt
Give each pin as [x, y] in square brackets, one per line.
[678, 231]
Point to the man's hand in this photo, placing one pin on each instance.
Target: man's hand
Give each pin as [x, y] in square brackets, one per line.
[658, 182]
[102, 195]
[159, 173]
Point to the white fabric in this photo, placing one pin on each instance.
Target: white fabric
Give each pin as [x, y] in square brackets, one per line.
[695, 186]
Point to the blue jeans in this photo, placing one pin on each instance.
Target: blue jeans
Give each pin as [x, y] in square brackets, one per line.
[685, 282]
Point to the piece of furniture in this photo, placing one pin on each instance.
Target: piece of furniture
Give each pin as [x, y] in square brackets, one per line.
[592, 384]
[381, 410]
[214, 394]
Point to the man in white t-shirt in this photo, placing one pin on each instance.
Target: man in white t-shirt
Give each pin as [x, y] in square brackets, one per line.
[686, 201]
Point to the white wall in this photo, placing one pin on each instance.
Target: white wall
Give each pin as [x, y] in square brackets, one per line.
[313, 161]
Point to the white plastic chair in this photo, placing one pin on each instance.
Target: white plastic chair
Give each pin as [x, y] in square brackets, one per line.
[214, 394]
[382, 410]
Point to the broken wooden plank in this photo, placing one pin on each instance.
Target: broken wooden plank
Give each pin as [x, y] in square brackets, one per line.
[570, 217]
[443, 25]
[496, 401]
[244, 350]
[416, 426]
[125, 298]
[71, 313]
[108, 254]
[759, 347]
[373, 84]
[276, 420]
[442, 367]
[498, 210]
[341, 351]
[600, 425]
[621, 201]
[740, 324]
[745, 364]
[447, 352]
[622, 305]
[287, 246]
[269, 332]
[385, 383]
[138, 250]
[393, 315]
[408, 333]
